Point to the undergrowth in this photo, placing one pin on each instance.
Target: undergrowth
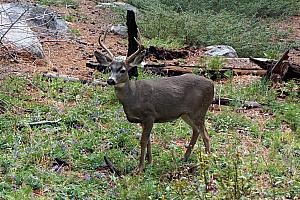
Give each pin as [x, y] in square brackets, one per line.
[254, 156]
[248, 26]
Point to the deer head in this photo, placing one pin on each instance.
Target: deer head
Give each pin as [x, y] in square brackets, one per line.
[119, 65]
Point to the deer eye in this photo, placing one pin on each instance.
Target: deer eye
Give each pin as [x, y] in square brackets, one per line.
[122, 70]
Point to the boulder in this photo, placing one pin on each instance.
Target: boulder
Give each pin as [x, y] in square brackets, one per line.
[221, 50]
[18, 22]
[121, 5]
[119, 30]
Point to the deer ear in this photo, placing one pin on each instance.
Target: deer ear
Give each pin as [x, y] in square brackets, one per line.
[138, 59]
[102, 59]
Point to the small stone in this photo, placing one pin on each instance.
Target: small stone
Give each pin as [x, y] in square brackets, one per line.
[119, 30]
[221, 50]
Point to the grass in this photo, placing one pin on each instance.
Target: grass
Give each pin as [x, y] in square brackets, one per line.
[66, 3]
[254, 156]
[247, 26]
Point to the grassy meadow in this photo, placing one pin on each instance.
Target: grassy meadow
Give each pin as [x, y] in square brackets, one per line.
[255, 153]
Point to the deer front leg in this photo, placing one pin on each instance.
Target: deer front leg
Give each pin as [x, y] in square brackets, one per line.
[145, 140]
[149, 152]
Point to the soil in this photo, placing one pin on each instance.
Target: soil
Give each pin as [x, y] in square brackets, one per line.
[69, 56]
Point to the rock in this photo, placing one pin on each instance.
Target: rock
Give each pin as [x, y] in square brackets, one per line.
[221, 50]
[46, 20]
[122, 5]
[19, 35]
[119, 30]
[18, 29]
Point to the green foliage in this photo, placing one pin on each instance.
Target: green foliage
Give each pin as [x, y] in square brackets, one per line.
[66, 3]
[263, 8]
[272, 54]
[235, 23]
[75, 31]
[251, 159]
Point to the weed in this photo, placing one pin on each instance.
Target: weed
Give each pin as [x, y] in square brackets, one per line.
[75, 31]
[70, 18]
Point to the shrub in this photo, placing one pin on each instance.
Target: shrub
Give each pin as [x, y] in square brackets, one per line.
[235, 23]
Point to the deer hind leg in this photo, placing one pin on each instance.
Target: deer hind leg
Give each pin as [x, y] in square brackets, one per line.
[194, 138]
[205, 137]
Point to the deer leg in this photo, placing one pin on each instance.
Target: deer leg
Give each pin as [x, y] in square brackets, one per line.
[205, 137]
[147, 127]
[194, 138]
[149, 152]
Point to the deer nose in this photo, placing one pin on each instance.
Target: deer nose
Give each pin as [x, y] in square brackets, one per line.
[111, 81]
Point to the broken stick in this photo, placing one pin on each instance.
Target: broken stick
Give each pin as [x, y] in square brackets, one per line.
[112, 168]
[75, 79]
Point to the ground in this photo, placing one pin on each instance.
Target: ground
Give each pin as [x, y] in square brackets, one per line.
[255, 152]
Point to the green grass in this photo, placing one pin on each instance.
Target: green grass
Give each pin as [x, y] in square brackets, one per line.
[247, 26]
[66, 3]
[252, 158]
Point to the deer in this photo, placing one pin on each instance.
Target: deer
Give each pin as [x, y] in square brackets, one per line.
[161, 100]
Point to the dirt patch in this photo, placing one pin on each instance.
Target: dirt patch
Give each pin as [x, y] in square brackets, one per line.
[68, 56]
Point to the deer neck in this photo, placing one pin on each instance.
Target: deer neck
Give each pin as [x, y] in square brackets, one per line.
[125, 92]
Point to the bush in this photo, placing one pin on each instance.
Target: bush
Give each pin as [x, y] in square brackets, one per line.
[235, 23]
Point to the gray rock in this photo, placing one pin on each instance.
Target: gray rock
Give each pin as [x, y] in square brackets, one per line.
[221, 50]
[45, 19]
[120, 5]
[18, 35]
[18, 31]
[119, 30]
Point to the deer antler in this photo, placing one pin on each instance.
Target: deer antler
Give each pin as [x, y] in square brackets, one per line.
[140, 48]
[103, 45]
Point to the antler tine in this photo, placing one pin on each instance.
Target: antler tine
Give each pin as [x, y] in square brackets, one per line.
[111, 55]
[140, 47]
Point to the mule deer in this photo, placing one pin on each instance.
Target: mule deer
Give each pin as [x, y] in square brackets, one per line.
[157, 101]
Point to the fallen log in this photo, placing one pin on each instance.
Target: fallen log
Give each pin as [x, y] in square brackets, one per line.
[165, 54]
[161, 69]
[283, 69]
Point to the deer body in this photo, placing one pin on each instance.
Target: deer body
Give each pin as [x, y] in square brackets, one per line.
[165, 99]
[161, 100]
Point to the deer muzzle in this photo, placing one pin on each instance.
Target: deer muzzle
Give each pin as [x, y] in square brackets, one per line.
[111, 81]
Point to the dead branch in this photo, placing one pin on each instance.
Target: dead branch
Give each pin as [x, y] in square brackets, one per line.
[9, 28]
[282, 69]
[112, 168]
[228, 102]
[39, 123]
[75, 79]
[278, 71]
